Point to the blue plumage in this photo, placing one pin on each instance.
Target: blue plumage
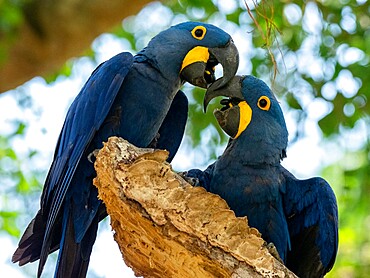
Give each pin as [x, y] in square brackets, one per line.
[175, 120]
[299, 216]
[137, 98]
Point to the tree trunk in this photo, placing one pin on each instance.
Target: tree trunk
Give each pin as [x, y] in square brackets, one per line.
[167, 228]
[54, 31]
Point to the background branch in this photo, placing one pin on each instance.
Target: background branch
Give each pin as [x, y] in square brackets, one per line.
[54, 31]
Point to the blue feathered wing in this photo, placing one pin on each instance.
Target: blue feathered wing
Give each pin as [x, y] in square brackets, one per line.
[312, 214]
[84, 118]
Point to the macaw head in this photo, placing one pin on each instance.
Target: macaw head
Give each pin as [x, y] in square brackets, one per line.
[252, 115]
[191, 50]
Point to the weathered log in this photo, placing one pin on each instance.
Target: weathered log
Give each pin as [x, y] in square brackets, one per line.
[167, 228]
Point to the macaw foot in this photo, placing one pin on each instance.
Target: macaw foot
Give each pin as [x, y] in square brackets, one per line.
[273, 251]
[191, 180]
[91, 157]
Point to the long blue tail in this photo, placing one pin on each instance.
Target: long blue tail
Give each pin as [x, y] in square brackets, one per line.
[74, 257]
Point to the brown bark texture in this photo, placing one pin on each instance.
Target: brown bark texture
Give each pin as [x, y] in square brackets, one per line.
[167, 228]
[54, 31]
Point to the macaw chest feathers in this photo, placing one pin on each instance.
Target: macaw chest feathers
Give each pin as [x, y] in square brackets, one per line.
[250, 182]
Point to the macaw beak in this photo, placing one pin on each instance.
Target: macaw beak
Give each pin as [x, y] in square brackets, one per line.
[199, 64]
[232, 90]
[236, 114]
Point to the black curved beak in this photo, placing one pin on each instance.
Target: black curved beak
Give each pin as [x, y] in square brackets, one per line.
[200, 72]
[229, 120]
[232, 89]
[228, 57]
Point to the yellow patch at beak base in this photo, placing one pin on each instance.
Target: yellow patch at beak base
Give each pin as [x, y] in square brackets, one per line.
[245, 117]
[197, 54]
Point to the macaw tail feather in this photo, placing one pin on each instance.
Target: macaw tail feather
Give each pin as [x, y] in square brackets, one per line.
[29, 247]
[74, 257]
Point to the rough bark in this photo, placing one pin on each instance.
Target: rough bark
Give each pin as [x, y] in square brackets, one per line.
[54, 31]
[167, 228]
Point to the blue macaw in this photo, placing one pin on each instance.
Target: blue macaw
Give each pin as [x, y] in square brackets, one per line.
[134, 97]
[299, 217]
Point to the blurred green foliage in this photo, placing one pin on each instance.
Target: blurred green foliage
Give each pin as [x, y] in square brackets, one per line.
[11, 17]
[18, 185]
[321, 51]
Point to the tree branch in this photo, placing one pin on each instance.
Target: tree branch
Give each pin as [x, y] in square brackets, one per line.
[167, 228]
[54, 31]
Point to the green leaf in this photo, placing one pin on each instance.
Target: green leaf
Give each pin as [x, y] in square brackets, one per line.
[293, 102]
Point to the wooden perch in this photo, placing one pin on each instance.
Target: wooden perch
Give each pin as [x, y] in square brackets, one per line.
[167, 228]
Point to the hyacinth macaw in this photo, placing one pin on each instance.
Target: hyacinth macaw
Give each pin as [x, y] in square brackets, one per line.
[134, 97]
[299, 217]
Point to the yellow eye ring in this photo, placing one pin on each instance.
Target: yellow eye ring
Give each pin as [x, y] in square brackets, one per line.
[199, 32]
[264, 103]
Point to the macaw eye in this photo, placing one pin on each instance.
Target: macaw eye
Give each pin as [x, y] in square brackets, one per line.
[264, 103]
[199, 32]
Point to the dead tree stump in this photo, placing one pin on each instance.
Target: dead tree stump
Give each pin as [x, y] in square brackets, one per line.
[168, 228]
